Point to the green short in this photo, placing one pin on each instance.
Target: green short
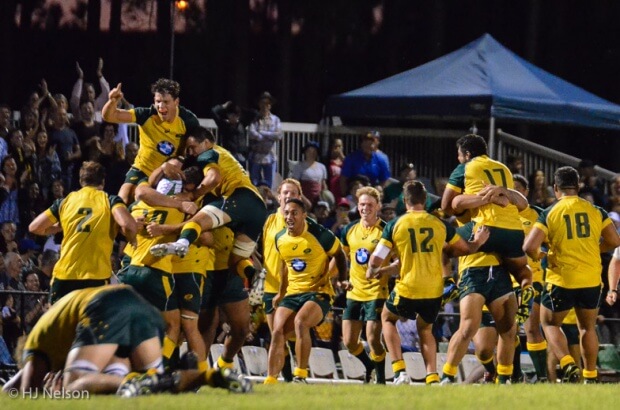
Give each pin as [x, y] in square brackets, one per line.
[61, 287]
[295, 302]
[134, 176]
[492, 282]
[268, 302]
[154, 285]
[572, 334]
[505, 242]
[222, 287]
[363, 311]
[246, 210]
[187, 292]
[120, 317]
[559, 299]
[487, 320]
[428, 309]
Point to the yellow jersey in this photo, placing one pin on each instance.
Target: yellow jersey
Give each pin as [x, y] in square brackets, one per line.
[418, 237]
[359, 243]
[89, 230]
[159, 140]
[573, 229]
[306, 257]
[472, 176]
[271, 257]
[528, 217]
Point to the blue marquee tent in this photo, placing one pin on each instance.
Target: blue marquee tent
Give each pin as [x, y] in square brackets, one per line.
[481, 80]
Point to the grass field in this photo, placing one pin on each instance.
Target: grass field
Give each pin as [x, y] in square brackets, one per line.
[320, 397]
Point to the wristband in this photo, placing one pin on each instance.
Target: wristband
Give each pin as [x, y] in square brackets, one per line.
[613, 291]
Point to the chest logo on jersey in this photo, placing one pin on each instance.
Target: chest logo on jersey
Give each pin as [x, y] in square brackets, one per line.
[298, 265]
[165, 148]
[361, 256]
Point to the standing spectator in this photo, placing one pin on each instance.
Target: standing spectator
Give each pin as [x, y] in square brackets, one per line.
[540, 193]
[336, 159]
[232, 121]
[29, 123]
[264, 132]
[67, 147]
[9, 190]
[589, 182]
[614, 196]
[322, 213]
[365, 161]
[5, 123]
[88, 131]
[311, 173]
[86, 91]
[377, 136]
[28, 250]
[8, 229]
[47, 164]
[117, 169]
[11, 323]
[573, 228]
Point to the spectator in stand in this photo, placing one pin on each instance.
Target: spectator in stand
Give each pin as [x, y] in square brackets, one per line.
[108, 150]
[541, 194]
[8, 229]
[34, 305]
[5, 122]
[591, 183]
[323, 215]
[86, 91]
[9, 190]
[13, 264]
[311, 173]
[377, 136]
[336, 159]
[365, 161]
[29, 123]
[57, 192]
[271, 202]
[388, 212]
[232, 121]
[67, 147]
[264, 133]
[88, 131]
[11, 323]
[356, 183]
[29, 251]
[514, 162]
[31, 203]
[342, 217]
[117, 169]
[47, 164]
[614, 196]
[16, 150]
[47, 261]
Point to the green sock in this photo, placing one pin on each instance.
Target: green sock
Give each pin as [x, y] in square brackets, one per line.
[380, 371]
[539, 358]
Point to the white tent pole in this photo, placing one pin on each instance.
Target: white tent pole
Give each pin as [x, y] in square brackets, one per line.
[492, 137]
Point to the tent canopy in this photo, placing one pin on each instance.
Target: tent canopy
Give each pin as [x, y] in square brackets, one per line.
[481, 80]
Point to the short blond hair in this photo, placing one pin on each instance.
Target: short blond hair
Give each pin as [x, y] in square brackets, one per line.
[291, 181]
[370, 191]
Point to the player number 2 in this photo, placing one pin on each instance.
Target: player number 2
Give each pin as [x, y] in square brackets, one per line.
[82, 225]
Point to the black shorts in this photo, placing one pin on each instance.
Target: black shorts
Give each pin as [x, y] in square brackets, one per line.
[559, 299]
[428, 309]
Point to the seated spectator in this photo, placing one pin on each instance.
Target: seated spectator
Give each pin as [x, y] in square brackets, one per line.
[47, 261]
[29, 251]
[365, 161]
[31, 203]
[9, 191]
[311, 173]
[34, 305]
[8, 229]
[11, 323]
[5, 123]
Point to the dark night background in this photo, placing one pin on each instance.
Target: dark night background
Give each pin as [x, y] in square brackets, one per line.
[237, 49]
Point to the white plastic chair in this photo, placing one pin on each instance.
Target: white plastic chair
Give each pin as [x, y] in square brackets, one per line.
[216, 351]
[352, 367]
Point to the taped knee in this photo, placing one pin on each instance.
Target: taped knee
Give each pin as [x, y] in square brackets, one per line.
[243, 249]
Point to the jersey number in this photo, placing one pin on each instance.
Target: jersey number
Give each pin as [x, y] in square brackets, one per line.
[427, 234]
[582, 225]
[82, 226]
[498, 171]
[159, 217]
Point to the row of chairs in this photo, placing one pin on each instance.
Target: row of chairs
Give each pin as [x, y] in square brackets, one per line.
[323, 368]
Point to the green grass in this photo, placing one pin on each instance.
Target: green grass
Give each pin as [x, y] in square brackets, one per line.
[328, 397]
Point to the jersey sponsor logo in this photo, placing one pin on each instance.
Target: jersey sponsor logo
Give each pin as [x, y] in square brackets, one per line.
[188, 296]
[298, 265]
[165, 147]
[361, 256]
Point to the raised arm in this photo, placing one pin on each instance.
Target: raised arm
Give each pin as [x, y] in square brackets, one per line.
[111, 112]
